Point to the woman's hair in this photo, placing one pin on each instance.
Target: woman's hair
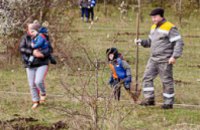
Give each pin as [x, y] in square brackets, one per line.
[34, 26]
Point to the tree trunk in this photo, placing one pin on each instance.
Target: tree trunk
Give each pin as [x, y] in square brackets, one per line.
[137, 47]
[198, 3]
[105, 7]
[97, 95]
[180, 14]
[161, 3]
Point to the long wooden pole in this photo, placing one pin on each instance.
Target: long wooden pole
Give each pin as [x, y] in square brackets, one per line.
[137, 47]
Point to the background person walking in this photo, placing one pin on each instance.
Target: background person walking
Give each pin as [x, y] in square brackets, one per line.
[84, 9]
[91, 5]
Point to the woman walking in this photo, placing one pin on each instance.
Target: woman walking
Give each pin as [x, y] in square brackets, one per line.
[37, 70]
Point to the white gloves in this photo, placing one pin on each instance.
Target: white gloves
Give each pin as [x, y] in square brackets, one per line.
[138, 42]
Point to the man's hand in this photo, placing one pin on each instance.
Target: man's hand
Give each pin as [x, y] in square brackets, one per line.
[172, 60]
[37, 53]
[138, 42]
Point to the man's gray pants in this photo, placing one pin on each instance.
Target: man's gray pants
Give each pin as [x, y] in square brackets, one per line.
[165, 72]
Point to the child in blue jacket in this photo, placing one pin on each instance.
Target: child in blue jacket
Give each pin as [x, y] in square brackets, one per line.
[40, 41]
[121, 73]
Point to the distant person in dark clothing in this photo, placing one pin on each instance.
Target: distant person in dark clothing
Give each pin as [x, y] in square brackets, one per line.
[91, 5]
[84, 9]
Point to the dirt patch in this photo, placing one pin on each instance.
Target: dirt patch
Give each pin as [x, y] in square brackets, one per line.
[191, 36]
[27, 124]
[180, 82]
[21, 119]
[55, 126]
[194, 66]
[129, 33]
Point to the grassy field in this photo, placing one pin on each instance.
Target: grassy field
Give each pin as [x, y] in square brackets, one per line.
[15, 101]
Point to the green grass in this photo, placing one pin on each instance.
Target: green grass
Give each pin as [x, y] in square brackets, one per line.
[97, 40]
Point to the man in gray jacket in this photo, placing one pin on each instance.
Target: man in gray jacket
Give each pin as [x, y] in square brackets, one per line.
[166, 46]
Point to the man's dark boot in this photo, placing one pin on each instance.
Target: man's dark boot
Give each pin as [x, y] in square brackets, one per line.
[147, 102]
[167, 106]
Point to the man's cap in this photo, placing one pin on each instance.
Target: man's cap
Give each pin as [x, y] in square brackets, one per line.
[157, 11]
